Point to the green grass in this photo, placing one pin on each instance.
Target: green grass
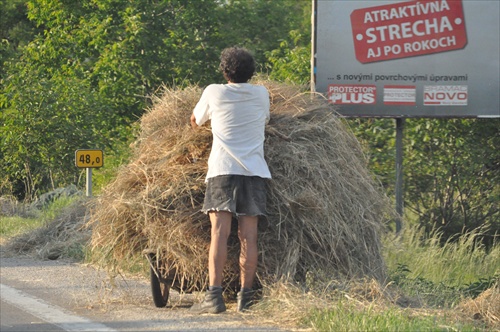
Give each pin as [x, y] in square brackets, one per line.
[437, 276]
[345, 317]
[49, 232]
[456, 263]
[11, 226]
[15, 225]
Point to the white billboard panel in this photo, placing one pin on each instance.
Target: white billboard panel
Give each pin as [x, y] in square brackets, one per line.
[427, 58]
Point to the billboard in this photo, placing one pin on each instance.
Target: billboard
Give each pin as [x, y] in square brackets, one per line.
[427, 58]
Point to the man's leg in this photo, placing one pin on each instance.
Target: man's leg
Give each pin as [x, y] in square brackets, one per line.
[247, 233]
[217, 255]
[221, 228]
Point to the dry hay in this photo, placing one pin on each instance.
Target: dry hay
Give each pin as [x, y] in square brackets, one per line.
[325, 210]
[485, 307]
[289, 305]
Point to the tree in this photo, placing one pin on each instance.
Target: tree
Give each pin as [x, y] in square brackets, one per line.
[16, 30]
[86, 78]
[453, 174]
[287, 64]
[261, 25]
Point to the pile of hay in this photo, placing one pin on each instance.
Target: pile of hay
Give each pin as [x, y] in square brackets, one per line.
[325, 210]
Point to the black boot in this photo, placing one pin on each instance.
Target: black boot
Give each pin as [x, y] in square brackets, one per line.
[212, 304]
[245, 299]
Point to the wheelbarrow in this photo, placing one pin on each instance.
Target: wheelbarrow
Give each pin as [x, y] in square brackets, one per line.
[161, 283]
[163, 280]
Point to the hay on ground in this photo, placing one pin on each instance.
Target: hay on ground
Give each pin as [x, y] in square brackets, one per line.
[486, 307]
[325, 210]
[62, 237]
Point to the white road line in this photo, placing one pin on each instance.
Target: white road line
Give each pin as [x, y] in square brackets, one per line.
[48, 312]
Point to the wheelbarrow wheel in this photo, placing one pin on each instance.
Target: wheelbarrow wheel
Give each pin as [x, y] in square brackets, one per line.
[159, 289]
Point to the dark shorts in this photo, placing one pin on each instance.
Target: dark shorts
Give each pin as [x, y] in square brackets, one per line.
[239, 194]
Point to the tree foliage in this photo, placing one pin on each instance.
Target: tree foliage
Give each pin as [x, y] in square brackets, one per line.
[16, 30]
[88, 74]
[451, 171]
[287, 63]
[261, 25]
[453, 174]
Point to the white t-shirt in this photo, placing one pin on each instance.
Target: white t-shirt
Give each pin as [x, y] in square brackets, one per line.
[239, 113]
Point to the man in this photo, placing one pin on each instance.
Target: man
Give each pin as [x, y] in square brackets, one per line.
[237, 172]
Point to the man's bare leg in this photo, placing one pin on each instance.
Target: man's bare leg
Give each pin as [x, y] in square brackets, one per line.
[221, 228]
[217, 255]
[247, 233]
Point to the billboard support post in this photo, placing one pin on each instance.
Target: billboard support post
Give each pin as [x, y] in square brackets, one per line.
[399, 172]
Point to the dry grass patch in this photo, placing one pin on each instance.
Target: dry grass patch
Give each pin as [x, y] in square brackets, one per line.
[64, 236]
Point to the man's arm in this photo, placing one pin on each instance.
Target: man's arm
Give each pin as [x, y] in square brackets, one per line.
[194, 125]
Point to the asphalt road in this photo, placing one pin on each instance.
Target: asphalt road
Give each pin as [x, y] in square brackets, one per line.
[13, 319]
[40, 295]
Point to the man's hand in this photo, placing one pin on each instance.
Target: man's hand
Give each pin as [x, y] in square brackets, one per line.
[193, 122]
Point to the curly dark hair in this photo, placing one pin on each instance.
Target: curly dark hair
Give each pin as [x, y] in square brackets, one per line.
[237, 64]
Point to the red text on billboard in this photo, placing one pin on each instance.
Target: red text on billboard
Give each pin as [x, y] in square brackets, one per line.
[408, 29]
